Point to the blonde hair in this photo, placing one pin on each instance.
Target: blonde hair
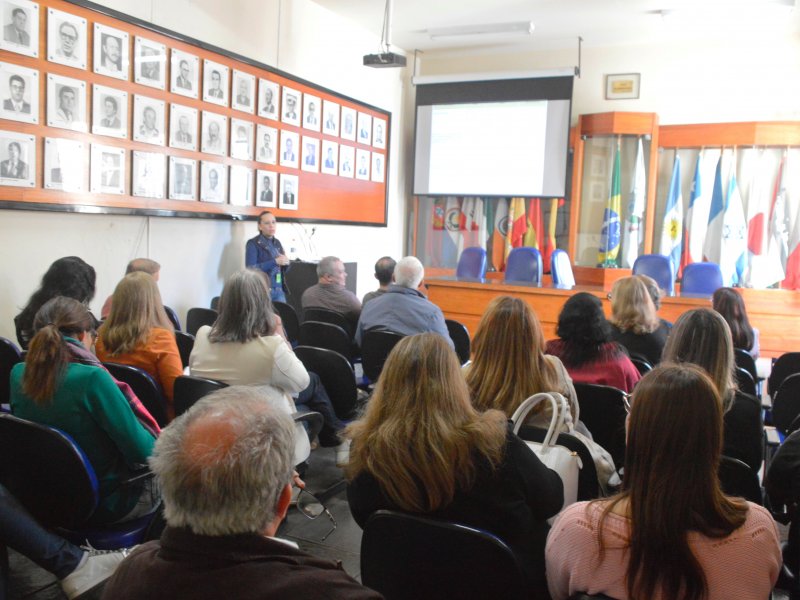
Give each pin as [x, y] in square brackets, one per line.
[135, 310]
[421, 438]
[632, 307]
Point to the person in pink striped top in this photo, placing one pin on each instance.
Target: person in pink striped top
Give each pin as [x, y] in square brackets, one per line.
[671, 533]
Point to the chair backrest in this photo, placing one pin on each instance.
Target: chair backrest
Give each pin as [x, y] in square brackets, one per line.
[47, 472]
[745, 381]
[375, 348]
[737, 479]
[657, 266]
[701, 279]
[337, 376]
[145, 388]
[641, 363]
[197, 317]
[323, 315]
[185, 343]
[561, 269]
[189, 389]
[785, 365]
[460, 336]
[603, 413]
[173, 317]
[214, 303]
[10, 355]
[291, 323]
[472, 263]
[326, 335]
[745, 360]
[524, 265]
[582, 596]
[406, 557]
[786, 403]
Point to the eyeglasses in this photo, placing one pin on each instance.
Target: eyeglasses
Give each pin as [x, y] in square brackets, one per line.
[310, 506]
[626, 400]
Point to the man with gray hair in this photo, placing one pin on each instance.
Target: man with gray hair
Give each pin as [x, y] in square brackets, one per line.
[225, 469]
[330, 293]
[403, 308]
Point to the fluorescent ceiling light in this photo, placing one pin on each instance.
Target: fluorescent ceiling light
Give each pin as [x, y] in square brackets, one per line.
[517, 28]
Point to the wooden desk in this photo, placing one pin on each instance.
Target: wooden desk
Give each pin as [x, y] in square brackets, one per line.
[776, 313]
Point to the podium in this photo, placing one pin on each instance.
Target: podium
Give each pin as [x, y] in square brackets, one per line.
[303, 275]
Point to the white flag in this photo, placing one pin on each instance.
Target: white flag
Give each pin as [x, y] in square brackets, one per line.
[636, 205]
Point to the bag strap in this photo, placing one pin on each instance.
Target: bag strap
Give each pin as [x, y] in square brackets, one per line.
[556, 421]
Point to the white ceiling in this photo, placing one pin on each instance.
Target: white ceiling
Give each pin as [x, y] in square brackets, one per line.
[558, 23]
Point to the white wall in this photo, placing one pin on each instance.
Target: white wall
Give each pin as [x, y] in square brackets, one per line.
[198, 254]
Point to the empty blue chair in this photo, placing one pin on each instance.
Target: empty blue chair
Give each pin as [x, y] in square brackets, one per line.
[659, 267]
[701, 279]
[524, 265]
[561, 269]
[472, 263]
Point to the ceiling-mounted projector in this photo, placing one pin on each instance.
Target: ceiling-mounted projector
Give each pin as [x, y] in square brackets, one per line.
[384, 60]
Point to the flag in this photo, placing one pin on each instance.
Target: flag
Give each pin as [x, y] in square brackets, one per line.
[757, 274]
[518, 219]
[499, 225]
[454, 226]
[712, 247]
[435, 237]
[636, 206]
[609, 234]
[550, 240]
[694, 224]
[672, 226]
[533, 237]
[734, 237]
[778, 239]
[472, 208]
[792, 281]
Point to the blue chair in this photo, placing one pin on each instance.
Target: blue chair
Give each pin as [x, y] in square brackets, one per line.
[472, 263]
[561, 269]
[173, 317]
[524, 265]
[659, 267]
[145, 387]
[701, 279]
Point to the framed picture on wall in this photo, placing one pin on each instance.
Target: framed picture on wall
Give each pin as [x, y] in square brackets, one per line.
[183, 127]
[184, 73]
[109, 112]
[290, 105]
[266, 143]
[66, 39]
[64, 165]
[266, 189]
[149, 120]
[311, 112]
[215, 82]
[310, 154]
[330, 115]
[348, 124]
[244, 92]
[362, 164]
[347, 159]
[241, 139]
[241, 188]
[107, 169]
[213, 182]
[215, 133]
[290, 191]
[379, 133]
[364, 128]
[622, 86]
[20, 93]
[268, 99]
[182, 178]
[378, 163]
[20, 27]
[149, 174]
[149, 63]
[290, 149]
[66, 103]
[17, 159]
[111, 51]
[330, 157]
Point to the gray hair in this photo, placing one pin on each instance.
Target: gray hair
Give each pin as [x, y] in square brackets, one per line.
[325, 266]
[224, 463]
[409, 272]
[245, 309]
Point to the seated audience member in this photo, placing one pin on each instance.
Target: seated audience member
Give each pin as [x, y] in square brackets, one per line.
[225, 469]
[244, 348]
[384, 270]
[634, 322]
[138, 333]
[69, 276]
[586, 348]
[701, 337]
[54, 388]
[783, 487]
[456, 463]
[729, 303]
[404, 308]
[670, 533]
[330, 293]
[144, 265]
[656, 294]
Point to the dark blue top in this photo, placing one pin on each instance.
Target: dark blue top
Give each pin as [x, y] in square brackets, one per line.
[260, 253]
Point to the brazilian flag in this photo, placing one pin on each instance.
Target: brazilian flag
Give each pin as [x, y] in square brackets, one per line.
[609, 234]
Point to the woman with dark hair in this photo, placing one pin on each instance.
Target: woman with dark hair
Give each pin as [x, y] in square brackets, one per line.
[70, 277]
[729, 303]
[670, 533]
[586, 348]
[634, 322]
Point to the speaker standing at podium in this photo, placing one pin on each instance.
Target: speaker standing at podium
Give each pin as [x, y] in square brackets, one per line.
[265, 252]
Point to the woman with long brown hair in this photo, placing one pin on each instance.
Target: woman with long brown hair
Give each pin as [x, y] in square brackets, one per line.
[729, 303]
[634, 321]
[670, 533]
[422, 448]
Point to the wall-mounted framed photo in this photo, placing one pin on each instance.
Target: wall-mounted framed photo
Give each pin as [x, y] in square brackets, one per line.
[20, 93]
[66, 39]
[109, 112]
[290, 191]
[241, 139]
[348, 124]
[291, 106]
[107, 169]
[310, 154]
[266, 144]
[20, 27]
[379, 133]
[378, 165]
[184, 73]
[362, 164]
[215, 82]
[311, 112]
[622, 86]
[215, 133]
[290, 149]
[364, 128]
[347, 159]
[66, 103]
[149, 174]
[149, 120]
[266, 189]
[268, 99]
[243, 96]
[64, 165]
[182, 178]
[330, 157]
[149, 63]
[213, 182]
[17, 159]
[241, 187]
[182, 127]
[111, 51]
[330, 116]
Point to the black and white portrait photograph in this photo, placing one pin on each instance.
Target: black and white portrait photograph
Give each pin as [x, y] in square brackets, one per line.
[310, 158]
[364, 128]
[111, 51]
[109, 112]
[215, 82]
[20, 88]
[149, 63]
[182, 127]
[20, 27]
[379, 133]
[289, 191]
[291, 106]
[347, 129]
[66, 103]
[362, 164]
[66, 39]
[266, 144]
[347, 159]
[213, 182]
[149, 120]
[17, 159]
[241, 188]
[64, 165]
[378, 165]
[329, 162]
[266, 189]
[330, 117]
[215, 133]
[107, 169]
[184, 73]
[290, 149]
[312, 110]
[241, 139]
[182, 178]
[149, 174]
[268, 99]
[243, 92]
